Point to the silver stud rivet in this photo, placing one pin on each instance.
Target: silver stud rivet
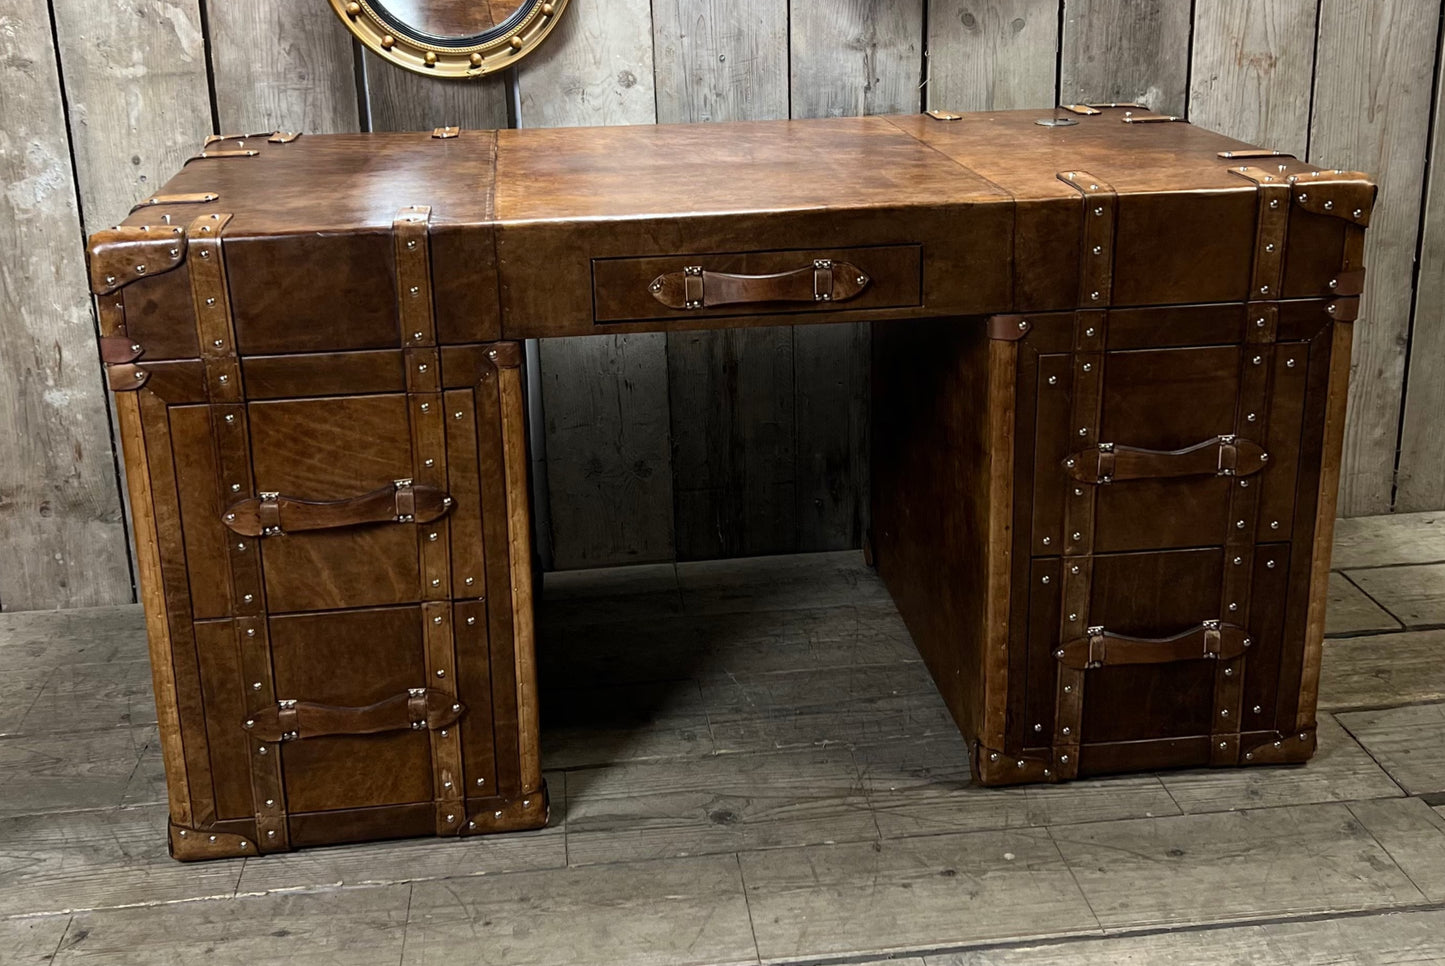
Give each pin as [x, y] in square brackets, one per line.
[1229, 672]
[1239, 524]
[430, 462]
[1073, 617]
[1083, 430]
[1289, 363]
[1274, 524]
[1024, 326]
[441, 673]
[1224, 713]
[1098, 249]
[224, 379]
[1068, 689]
[1269, 247]
[432, 537]
[1233, 606]
[230, 418]
[250, 723]
[1088, 367]
[1098, 211]
[262, 750]
[481, 782]
[471, 620]
[1078, 491]
[1274, 203]
[1046, 579]
[436, 582]
[411, 246]
[1257, 360]
[1223, 744]
[1048, 540]
[421, 368]
[1269, 564]
[1078, 535]
[271, 833]
[469, 581]
[248, 598]
[1094, 296]
[1258, 709]
[1089, 332]
[1238, 561]
[1074, 569]
[415, 291]
[1251, 417]
[426, 407]
[1303, 198]
[456, 415]
[436, 620]
[256, 686]
[235, 488]
[1038, 727]
[1064, 759]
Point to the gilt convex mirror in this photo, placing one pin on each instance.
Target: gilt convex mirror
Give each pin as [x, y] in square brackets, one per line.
[451, 38]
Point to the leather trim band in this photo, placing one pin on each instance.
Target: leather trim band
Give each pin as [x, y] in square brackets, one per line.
[425, 409]
[119, 256]
[230, 435]
[1114, 463]
[416, 710]
[1212, 640]
[1008, 328]
[1287, 749]
[193, 198]
[272, 514]
[126, 377]
[1096, 257]
[196, 845]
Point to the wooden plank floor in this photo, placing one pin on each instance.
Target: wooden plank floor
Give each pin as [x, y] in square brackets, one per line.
[750, 765]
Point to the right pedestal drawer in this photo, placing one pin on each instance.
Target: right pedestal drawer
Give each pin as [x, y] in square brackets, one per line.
[1166, 473]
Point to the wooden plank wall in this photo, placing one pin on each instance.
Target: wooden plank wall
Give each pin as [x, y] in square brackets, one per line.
[651, 447]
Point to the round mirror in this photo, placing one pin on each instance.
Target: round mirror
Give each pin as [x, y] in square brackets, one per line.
[450, 38]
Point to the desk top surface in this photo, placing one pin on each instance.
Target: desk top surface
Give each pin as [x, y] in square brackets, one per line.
[358, 181]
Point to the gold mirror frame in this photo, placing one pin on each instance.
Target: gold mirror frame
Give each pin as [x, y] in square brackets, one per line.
[435, 57]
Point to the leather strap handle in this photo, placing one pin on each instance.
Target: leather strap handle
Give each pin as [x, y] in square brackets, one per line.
[1211, 640]
[1220, 456]
[271, 514]
[695, 288]
[418, 709]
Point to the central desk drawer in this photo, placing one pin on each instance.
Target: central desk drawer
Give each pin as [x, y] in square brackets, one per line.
[756, 283]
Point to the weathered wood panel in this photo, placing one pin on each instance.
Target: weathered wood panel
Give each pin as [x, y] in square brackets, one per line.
[856, 57]
[731, 393]
[60, 514]
[402, 100]
[998, 55]
[604, 398]
[136, 85]
[1421, 480]
[1126, 50]
[1371, 99]
[282, 65]
[1252, 71]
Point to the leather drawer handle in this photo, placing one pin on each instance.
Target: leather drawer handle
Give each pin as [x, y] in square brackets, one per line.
[272, 514]
[1211, 640]
[1220, 456]
[416, 710]
[694, 288]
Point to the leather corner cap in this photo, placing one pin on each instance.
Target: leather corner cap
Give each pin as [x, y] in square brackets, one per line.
[505, 355]
[120, 256]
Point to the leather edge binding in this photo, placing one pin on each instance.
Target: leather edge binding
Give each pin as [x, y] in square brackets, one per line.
[531, 811]
[1291, 749]
[993, 768]
[196, 845]
[116, 257]
[1008, 328]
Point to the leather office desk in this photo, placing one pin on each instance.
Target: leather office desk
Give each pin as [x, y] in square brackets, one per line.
[1109, 384]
